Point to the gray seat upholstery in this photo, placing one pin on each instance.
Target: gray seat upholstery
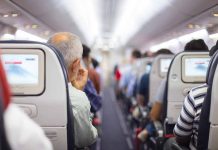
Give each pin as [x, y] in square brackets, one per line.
[156, 77]
[51, 108]
[177, 87]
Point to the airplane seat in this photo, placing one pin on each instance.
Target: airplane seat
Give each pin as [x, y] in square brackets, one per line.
[157, 74]
[181, 78]
[4, 101]
[39, 83]
[208, 124]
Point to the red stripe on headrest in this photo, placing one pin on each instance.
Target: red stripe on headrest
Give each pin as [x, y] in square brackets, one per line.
[5, 86]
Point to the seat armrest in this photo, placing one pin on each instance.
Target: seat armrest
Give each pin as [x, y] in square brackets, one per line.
[158, 128]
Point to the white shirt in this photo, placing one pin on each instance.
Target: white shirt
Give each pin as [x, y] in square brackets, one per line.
[85, 132]
[22, 132]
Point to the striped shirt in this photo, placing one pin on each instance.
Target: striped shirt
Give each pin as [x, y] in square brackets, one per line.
[188, 121]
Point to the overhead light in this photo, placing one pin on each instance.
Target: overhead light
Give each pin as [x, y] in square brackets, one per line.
[174, 43]
[22, 35]
[34, 26]
[5, 15]
[132, 15]
[190, 26]
[215, 14]
[167, 44]
[7, 37]
[86, 16]
[14, 14]
[194, 35]
[213, 36]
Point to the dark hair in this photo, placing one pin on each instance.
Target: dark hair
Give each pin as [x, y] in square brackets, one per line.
[86, 51]
[163, 51]
[196, 45]
[213, 49]
[95, 63]
[145, 54]
[136, 53]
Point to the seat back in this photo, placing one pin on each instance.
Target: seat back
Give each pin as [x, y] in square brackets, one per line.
[158, 73]
[182, 76]
[209, 108]
[38, 79]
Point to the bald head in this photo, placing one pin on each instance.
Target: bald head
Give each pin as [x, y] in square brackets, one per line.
[69, 45]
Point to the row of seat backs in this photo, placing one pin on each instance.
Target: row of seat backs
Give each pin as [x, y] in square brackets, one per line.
[51, 109]
[177, 89]
[208, 124]
[155, 77]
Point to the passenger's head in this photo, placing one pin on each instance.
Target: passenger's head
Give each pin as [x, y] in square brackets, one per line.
[136, 54]
[213, 49]
[144, 55]
[70, 47]
[163, 52]
[196, 45]
[86, 56]
[95, 63]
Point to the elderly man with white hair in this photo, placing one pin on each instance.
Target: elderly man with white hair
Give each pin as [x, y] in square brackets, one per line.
[70, 47]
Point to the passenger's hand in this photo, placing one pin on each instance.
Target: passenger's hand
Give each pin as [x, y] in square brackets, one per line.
[81, 80]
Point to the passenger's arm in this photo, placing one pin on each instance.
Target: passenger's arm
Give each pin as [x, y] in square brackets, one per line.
[22, 132]
[156, 111]
[184, 125]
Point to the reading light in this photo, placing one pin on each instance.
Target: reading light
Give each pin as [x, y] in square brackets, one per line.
[5, 15]
[34, 26]
[215, 14]
[190, 26]
[14, 14]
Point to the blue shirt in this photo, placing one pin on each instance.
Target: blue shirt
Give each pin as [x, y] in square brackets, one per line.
[94, 98]
[144, 87]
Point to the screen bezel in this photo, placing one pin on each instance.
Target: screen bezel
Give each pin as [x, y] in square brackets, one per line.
[194, 79]
[26, 89]
[163, 74]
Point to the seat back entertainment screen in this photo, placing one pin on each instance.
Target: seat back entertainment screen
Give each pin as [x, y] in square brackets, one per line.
[21, 69]
[194, 69]
[24, 70]
[164, 65]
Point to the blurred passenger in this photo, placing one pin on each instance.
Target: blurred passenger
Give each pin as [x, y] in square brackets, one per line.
[117, 73]
[99, 70]
[198, 45]
[127, 76]
[93, 75]
[194, 45]
[117, 77]
[186, 128]
[143, 91]
[157, 106]
[19, 131]
[71, 48]
[90, 89]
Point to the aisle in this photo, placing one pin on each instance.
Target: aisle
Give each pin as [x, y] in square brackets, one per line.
[114, 131]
